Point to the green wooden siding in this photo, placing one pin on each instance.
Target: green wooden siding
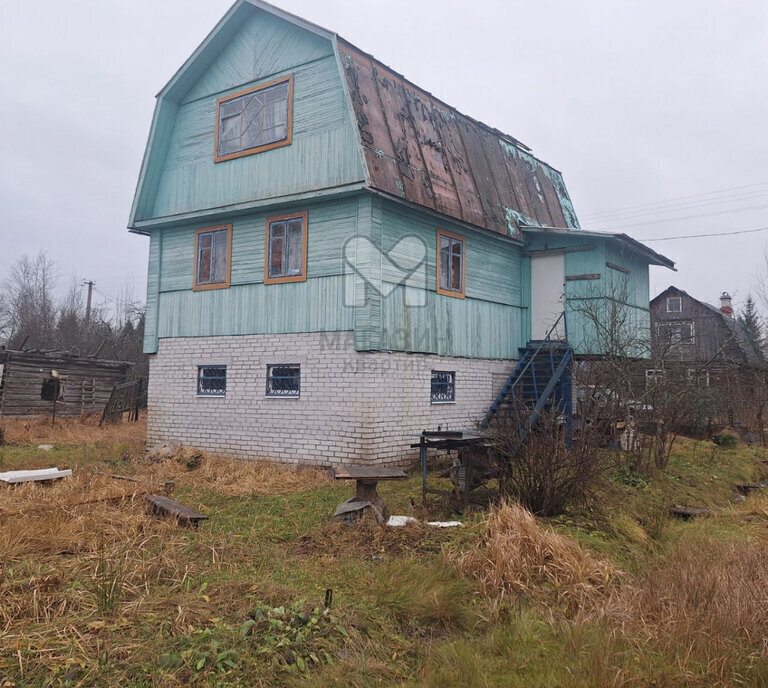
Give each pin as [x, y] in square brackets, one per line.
[615, 296]
[488, 323]
[180, 175]
[249, 306]
[264, 45]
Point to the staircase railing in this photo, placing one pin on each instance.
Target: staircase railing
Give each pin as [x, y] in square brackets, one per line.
[508, 389]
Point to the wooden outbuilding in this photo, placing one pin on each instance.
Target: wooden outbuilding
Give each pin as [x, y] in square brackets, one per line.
[32, 381]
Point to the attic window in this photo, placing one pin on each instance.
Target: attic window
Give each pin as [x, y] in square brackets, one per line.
[255, 120]
[674, 304]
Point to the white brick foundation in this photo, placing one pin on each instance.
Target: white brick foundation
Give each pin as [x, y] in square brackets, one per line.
[354, 407]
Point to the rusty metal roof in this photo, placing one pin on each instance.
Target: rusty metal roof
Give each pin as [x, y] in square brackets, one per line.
[421, 150]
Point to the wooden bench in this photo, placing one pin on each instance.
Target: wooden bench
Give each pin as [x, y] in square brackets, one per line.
[164, 507]
[366, 479]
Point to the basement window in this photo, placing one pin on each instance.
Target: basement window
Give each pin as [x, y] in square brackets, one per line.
[674, 304]
[286, 249]
[450, 264]
[255, 120]
[443, 388]
[213, 251]
[284, 380]
[212, 381]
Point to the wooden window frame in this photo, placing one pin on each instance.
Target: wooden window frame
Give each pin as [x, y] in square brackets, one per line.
[448, 292]
[669, 298]
[259, 149]
[213, 285]
[669, 326]
[290, 278]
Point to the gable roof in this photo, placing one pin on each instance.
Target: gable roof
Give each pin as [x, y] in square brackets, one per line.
[413, 147]
[738, 332]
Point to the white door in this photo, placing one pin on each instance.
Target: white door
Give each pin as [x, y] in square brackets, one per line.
[547, 294]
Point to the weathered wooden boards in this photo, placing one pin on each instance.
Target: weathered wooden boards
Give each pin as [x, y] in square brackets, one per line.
[38, 476]
[165, 507]
[85, 383]
[688, 512]
[366, 497]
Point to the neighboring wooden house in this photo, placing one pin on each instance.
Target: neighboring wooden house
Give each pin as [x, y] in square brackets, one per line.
[30, 381]
[337, 258]
[705, 347]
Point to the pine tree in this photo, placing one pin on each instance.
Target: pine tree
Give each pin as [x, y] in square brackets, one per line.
[750, 320]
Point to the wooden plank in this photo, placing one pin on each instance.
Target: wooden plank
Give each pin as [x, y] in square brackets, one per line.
[689, 512]
[353, 472]
[163, 506]
[577, 278]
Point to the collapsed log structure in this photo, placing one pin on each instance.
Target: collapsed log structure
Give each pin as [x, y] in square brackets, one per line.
[32, 383]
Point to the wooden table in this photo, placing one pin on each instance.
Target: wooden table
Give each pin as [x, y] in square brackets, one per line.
[366, 479]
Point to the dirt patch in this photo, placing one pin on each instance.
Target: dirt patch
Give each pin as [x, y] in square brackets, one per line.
[368, 538]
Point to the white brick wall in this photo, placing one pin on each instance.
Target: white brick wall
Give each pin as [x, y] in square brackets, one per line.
[354, 407]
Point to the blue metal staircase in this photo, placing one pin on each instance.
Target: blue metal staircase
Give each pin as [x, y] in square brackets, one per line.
[541, 381]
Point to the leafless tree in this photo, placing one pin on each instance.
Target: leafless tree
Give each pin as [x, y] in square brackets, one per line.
[30, 311]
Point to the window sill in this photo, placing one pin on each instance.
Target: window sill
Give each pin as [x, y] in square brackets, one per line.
[442, 403]
[211, 396]
[282, 396]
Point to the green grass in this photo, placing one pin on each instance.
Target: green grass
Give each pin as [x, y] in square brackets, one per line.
[400, 615]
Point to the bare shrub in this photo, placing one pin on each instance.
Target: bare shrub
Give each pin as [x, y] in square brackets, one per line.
[516, 556]
[539, 470]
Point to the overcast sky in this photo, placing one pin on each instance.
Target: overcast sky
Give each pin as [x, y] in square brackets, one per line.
[655, 104]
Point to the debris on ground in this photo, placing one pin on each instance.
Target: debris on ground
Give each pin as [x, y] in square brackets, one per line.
[399, 521]
[444, 524]
[688, 512]
[164, 507]
[38, 476]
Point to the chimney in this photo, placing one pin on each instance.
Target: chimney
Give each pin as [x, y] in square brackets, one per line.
[725, 304]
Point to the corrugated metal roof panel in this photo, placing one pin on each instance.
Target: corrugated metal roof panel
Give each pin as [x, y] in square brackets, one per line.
[419, 149]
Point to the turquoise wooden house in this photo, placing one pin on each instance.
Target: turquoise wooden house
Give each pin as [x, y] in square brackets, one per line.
[338, 259]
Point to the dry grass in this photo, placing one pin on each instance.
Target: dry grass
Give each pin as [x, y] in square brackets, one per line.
[191, 468]
[516, 556]
[84, 428]
[705, 604]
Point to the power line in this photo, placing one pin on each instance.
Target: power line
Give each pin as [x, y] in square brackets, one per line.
[675, 200]
[691, 217]
[678, 208]
[713, 234]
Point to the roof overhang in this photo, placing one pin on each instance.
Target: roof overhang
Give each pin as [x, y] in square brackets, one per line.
[638, 247]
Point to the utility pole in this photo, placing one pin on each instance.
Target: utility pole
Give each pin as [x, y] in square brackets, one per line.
[90, 284]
